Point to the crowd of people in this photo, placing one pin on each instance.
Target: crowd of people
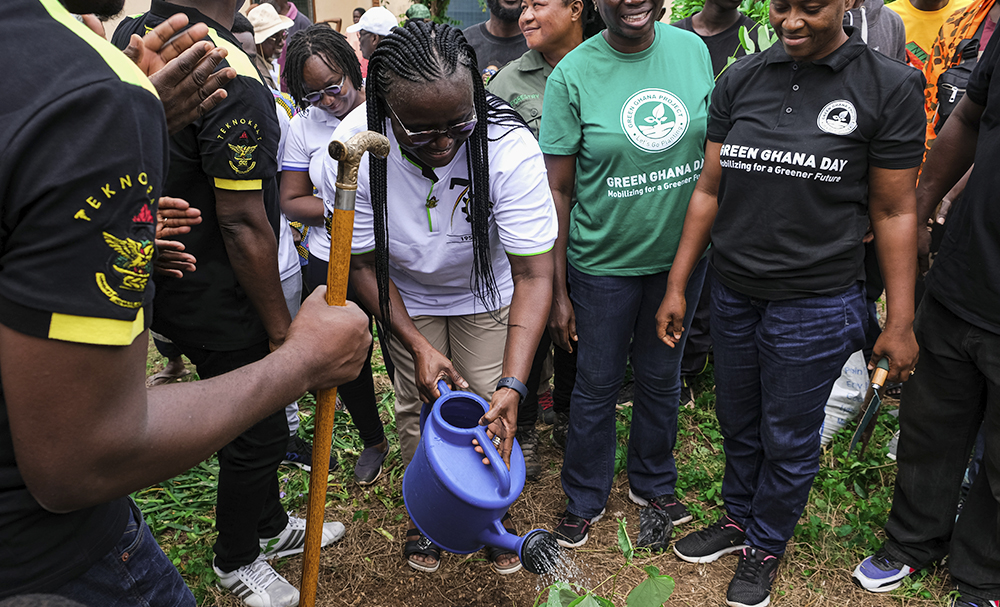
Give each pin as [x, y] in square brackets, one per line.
[573, 188]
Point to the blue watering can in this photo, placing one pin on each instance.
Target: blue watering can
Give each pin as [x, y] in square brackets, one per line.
[455, 500]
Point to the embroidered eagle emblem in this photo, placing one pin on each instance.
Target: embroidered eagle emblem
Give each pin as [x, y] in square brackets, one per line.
[134, 259]
[242, 161]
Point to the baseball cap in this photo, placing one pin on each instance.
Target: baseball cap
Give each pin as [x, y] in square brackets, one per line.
[377, 20]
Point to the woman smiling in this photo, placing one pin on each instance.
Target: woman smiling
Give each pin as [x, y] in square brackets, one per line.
[623, 128]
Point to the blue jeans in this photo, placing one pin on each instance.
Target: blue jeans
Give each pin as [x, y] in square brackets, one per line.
[135, 573]
[775, 364]
[613, 312]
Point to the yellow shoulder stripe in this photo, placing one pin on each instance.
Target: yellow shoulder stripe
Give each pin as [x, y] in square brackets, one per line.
[236, 57]
[238, 184]
[116, 60]
[98, 331]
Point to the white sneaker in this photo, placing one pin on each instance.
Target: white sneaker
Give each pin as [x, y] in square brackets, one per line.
[258, 585]
[293, 539]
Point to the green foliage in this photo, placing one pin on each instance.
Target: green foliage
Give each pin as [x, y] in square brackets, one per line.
[652, 591]
[755, 9]
[625, 542]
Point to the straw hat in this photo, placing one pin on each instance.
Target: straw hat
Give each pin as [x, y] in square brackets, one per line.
[377, 20]
[267, 22]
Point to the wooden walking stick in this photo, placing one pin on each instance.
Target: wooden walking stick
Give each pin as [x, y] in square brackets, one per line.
[349, 156]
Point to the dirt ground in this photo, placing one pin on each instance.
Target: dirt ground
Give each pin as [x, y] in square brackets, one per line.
[366, 567]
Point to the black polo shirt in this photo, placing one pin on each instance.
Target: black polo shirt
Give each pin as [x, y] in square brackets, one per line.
[84, 147]
[798, 139]
[233, 147]
[965, 276]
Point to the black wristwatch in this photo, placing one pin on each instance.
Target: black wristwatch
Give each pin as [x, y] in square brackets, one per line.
[514, 384]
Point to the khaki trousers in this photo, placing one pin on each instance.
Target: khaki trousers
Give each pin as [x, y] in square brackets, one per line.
[475, 345]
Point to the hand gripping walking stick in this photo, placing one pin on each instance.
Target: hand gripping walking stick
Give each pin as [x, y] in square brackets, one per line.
[349, 156]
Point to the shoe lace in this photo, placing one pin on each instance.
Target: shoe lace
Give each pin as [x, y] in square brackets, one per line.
[259, 573]
[748, 569]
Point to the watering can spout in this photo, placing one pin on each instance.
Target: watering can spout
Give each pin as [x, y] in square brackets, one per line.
[537, 549]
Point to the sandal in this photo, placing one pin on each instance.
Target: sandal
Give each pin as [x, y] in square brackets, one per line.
[165, 377]
[493, 553]
[422, 546]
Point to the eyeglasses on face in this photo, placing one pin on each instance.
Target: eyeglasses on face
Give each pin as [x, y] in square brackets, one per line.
[422, 138]
[334, 90]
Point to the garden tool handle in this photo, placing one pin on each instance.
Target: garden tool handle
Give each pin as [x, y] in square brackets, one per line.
[881, 373]
[349, 157]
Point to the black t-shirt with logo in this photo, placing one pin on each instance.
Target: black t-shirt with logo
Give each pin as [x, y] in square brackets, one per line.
[84, 147]
[725, 44]
[233, 147]
[798, 140]
[965, 276]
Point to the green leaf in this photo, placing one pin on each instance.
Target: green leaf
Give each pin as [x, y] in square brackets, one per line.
[652, 591]
[651, 571]
[860, 491]
[745, 40]
[386, 534]
[590, 600]
[764, 38]
[561, 594]
[624, 541]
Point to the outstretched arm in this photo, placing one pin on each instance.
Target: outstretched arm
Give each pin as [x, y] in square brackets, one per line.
[86, 430]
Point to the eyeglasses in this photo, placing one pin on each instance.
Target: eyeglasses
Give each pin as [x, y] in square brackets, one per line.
[314, 97]
[422, 138]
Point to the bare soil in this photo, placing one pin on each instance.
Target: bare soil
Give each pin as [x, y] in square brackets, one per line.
[366, 567]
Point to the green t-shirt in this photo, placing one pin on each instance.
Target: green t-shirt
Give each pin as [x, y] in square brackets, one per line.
[636, 123]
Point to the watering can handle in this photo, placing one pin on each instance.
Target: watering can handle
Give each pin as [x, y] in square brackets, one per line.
[499, 467]
[443, 387]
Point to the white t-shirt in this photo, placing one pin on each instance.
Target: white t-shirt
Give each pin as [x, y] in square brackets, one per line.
[288, 257]
[309, 136]
[430, 245]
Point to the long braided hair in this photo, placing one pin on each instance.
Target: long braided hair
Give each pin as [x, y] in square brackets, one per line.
[427, 52]
[330, 46]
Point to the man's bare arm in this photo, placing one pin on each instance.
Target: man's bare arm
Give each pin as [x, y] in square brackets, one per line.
[86, 430]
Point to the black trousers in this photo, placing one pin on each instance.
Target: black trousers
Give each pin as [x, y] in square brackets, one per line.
[954, 391]
[248, 505]
[564, 377]
[699, 336]
[358, 394]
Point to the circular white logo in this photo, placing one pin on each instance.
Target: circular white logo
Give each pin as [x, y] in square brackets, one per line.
[838, 118]
[654, 120]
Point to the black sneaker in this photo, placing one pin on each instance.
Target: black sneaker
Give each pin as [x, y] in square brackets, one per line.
[559, 431]
[300, 453]
[678, 512]
[751, 585]
[546, 414]
[369, 466]
[571, 532]
[710, 543]
[527, 437]
[655, 528]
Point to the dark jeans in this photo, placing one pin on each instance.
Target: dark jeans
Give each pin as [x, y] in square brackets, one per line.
[775, 364]
[359, 393]
[612, 312]
[247, 507]
[133, 573]
[953, 393]
[563, 374]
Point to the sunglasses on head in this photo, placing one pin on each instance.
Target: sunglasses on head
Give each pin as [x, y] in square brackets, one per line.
[334, 90]
[422, 138]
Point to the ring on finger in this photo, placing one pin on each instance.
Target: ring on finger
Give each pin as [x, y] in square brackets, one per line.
[496, 441]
